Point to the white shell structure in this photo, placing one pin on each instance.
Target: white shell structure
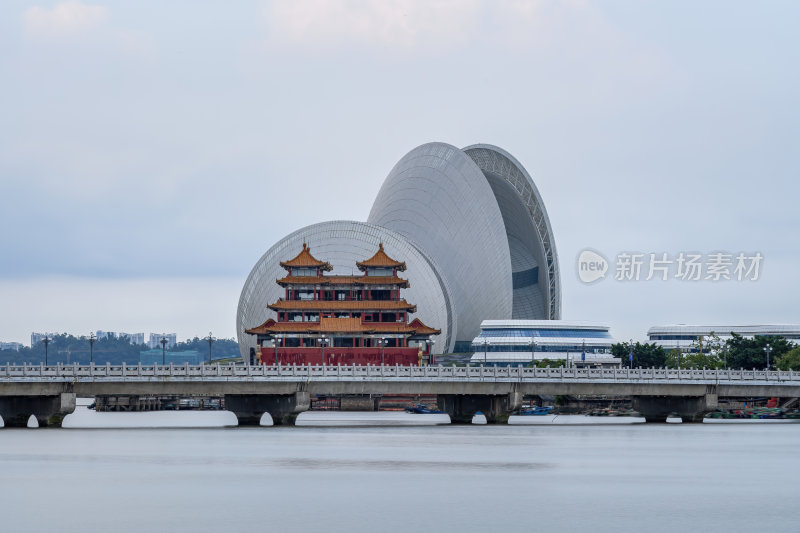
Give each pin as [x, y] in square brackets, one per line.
[478, 214]
[470, 225]
[342, 243]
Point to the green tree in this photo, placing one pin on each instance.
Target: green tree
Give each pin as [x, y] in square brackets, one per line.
[706, 353]
[699, 360]
[790, 360]
[673, 358]
[750, 353]
[644, 355]
[550, 363]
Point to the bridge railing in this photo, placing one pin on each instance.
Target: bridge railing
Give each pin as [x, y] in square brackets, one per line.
[218, 371]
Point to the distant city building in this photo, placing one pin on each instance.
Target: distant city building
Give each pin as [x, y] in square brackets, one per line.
[10, 346]
[155, 340]
[133, 338]
[687, 337]
[150, 357]
[36, 338]
[519, 342]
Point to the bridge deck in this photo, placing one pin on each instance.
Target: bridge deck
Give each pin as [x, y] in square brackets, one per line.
[295, 373]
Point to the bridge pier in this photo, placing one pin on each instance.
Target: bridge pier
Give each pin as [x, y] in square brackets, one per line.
[461, 407]
[48, 410]
[656, 408]
[283, 408]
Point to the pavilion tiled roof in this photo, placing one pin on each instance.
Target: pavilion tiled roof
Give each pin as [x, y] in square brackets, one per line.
[380, 259]
[341, 325]
[305, 259]
[422, 329]
[343, 280]
[343, 305]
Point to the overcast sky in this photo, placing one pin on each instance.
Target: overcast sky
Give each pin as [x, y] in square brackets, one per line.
[150, 152]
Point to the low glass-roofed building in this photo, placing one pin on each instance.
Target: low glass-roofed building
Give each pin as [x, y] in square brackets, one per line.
[689, 337]
[514, 342]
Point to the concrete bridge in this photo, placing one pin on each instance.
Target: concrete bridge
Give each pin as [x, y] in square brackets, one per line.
[283, 391]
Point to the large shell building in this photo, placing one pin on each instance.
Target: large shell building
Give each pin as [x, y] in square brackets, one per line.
[471, 226]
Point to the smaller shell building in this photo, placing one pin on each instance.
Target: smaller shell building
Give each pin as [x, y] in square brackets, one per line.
[343, 320]
[468, 224]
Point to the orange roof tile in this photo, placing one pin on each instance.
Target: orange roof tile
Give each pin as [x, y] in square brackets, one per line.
[340, 325]
[336, 325]
[305, 259]
[263, 328]
[343, 280]
[422, 329]
[343, 305]
[380, 259]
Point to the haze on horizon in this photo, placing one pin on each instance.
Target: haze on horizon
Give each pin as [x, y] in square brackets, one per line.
[151, 152]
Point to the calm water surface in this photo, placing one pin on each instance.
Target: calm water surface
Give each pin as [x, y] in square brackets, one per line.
[456, 478]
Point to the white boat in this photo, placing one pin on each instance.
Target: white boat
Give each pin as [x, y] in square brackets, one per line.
[370, 418]
[572, 420]
[751, 421]
[674, 420]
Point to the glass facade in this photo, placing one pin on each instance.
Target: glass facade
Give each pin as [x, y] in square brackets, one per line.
[530, 333]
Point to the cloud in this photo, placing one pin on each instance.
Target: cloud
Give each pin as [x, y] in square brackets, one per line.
[386, 23]
[516, 27]
[67, 19]
[74, 21]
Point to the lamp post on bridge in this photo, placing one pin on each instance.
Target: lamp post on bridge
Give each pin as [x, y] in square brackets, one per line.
[384, 341]
[92, 338]
[630, 355]
[485, 350]
[163, 342]
[46, 342]
[431, 357]
[533, 352]
[324, 341]
[583, 353]
[767, 349]
[210, 341]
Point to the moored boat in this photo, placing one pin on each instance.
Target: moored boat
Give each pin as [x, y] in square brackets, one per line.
[753, 415]
[422, 409]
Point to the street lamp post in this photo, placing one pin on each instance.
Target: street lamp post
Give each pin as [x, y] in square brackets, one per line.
[323, 341]
[46, 342]
[384, 342]
[630, 355]
[725, 356]
[210, 341]
[275, 344]
[92, 338]
[533, 352]
[767, 349]
[485, 350]
[432, 358]
[163, 342]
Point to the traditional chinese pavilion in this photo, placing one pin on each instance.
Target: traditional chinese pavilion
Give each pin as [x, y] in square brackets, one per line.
[343, 320]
